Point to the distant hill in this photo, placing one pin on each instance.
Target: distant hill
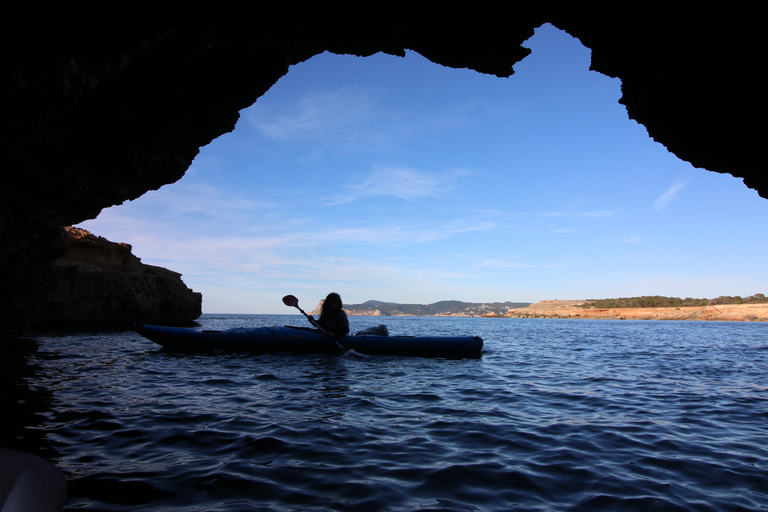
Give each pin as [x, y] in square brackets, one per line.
[442, 308]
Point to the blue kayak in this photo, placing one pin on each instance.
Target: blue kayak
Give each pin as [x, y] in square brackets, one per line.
[306, 340]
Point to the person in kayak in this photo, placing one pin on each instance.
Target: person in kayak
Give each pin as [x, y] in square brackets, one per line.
[332, 318]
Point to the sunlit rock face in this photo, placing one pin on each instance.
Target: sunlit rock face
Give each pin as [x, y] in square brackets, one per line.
[102, 284]
[101, 104]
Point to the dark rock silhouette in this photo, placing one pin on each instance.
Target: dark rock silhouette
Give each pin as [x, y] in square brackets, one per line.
[102, 103]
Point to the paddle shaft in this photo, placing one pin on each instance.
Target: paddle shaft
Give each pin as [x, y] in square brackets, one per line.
[313, 321]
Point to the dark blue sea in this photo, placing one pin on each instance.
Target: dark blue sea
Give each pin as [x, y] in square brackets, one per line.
[557, 415]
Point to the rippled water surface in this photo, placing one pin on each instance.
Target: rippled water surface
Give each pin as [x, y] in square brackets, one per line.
[556, 415]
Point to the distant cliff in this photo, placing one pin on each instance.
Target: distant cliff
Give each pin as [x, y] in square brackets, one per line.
[442, 308]
[575, 309]
[101, 284]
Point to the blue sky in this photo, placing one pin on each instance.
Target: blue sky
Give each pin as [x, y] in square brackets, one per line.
[400, 180]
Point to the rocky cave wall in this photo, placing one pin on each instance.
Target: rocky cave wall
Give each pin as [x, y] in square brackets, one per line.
[102, 103]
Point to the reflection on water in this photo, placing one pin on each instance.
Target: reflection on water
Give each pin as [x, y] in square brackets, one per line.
[556, 415]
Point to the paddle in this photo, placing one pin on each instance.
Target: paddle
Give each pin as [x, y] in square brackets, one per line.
[290, 300]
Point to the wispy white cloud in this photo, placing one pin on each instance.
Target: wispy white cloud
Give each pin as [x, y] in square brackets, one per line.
[358, 119]
[184, 201]
[496, 263]
[324, 113]
[214, 240]
[315, 113]
[398, 235]
[672, 192]
[592, 214]
[349, 121]
[403, 183]
[607, 214]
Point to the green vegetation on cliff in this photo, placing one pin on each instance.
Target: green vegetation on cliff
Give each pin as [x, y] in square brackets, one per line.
[657, 301]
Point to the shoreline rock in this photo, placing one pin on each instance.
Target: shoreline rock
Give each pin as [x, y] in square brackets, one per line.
[101, 284]
[571, 309]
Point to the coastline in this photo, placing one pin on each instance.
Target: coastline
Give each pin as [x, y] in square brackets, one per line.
[571, 309]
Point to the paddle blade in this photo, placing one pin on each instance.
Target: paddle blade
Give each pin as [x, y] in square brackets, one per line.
[290, 300]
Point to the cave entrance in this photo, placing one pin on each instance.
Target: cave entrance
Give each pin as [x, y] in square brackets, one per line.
[398, 179]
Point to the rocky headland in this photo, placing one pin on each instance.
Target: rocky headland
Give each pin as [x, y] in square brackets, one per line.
[102, 284]
[576, 309]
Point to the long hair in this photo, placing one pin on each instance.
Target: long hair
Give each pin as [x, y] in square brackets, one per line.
[331, 306]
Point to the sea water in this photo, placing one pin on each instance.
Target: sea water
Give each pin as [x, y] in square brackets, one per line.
[556, 415]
